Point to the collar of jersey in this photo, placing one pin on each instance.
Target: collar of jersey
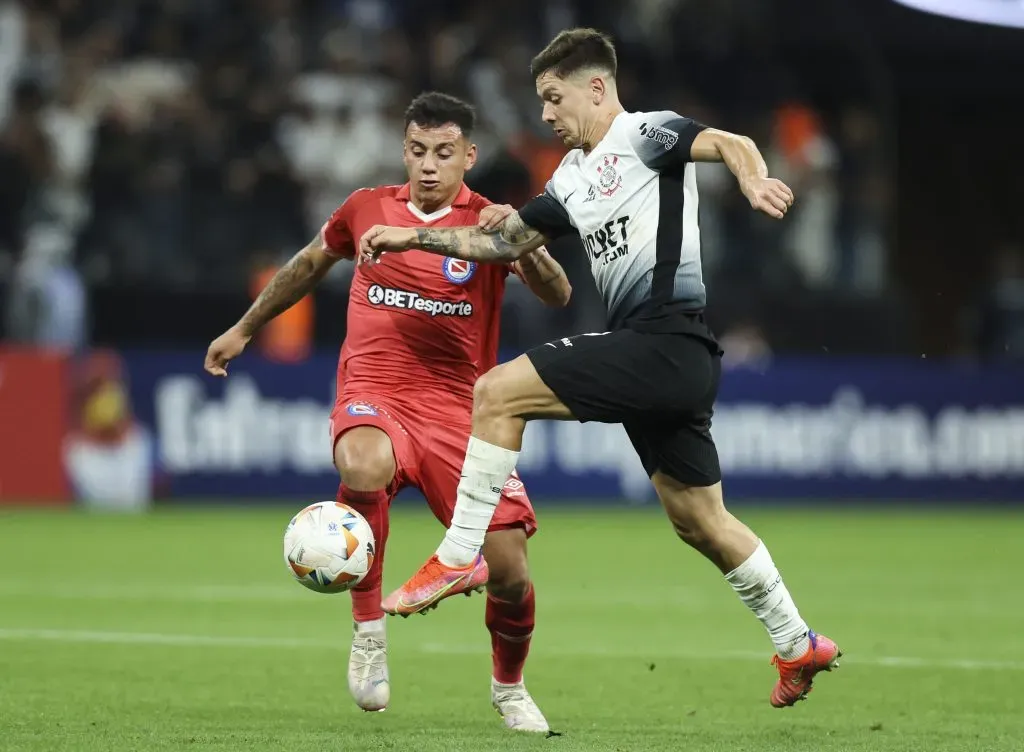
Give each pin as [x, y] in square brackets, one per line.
[462, 198]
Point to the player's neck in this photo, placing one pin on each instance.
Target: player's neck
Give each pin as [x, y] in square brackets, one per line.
[601, 126]
[433, 205]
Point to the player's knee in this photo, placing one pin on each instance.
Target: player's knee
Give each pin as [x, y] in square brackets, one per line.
[365, 459]
[697, 514]
[694, 532]
[509, 571]
[510, 583]
[490, 394]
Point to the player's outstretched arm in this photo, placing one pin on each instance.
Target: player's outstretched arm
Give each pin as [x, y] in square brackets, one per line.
[545, 277]
[512, 239]
[291, 283]
[741, 156]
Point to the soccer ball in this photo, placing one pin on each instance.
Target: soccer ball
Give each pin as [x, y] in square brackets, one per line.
[328, 547]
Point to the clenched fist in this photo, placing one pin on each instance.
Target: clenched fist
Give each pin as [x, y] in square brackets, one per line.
[768, 195]
[381, 239]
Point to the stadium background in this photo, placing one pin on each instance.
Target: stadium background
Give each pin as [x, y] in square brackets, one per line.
[159, 159]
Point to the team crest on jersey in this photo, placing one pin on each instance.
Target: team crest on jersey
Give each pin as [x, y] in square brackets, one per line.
[608, 177]
[360, 408]
[458, 271]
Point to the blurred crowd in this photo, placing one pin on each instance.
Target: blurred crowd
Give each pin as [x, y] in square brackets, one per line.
[188, 142]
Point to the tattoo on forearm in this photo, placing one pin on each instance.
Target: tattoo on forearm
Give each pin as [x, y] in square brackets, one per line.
[473, 244]
[515, 232]
[462, 242]
[443, 241]
[291, 283]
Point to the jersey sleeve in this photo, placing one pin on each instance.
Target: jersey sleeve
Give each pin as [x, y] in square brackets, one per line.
[546, 214]
[663, 140]
[336, 236]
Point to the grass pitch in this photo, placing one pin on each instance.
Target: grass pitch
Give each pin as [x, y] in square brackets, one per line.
[181, 630]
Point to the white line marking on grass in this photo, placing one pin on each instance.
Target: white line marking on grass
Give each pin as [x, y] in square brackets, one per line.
[155, 638]
[160, 592]
[154, 592]
[289, 643]
[287, 592]
[749, 655]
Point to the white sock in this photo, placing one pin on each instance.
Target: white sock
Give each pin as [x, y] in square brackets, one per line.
[374, 626]
[484, 474]
[759, 585]
[498, 685]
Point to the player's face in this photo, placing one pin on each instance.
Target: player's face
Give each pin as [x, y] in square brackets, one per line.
[568, 104]
[437, 160]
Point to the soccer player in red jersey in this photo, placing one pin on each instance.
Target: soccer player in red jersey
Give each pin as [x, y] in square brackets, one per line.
[421, 329]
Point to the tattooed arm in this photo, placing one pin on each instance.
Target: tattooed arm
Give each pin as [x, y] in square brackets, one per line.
[291, 283]
[545, 277]
[513, 238]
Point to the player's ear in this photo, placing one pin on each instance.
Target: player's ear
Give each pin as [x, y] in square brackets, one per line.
[470, 157]
[598, 89]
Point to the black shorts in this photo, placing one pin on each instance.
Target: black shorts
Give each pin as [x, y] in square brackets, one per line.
[660, 386]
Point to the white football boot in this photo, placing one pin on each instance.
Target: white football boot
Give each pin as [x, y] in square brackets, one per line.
[517, 708]
[368, 679]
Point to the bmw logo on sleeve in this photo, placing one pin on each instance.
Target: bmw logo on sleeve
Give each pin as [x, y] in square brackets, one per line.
[458, 271]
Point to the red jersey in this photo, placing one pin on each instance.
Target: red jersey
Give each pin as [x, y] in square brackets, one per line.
[417, 322]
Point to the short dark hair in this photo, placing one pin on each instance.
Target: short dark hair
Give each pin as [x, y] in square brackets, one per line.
[575, 49]
[433, 109]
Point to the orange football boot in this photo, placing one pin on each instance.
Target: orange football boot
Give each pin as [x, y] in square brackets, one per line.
[795, 676]
[433, 583]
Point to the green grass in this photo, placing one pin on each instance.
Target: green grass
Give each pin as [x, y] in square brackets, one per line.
[181, 630]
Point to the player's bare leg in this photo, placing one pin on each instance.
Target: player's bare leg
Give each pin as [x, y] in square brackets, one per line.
[700, 518]
[503, 399]
[366, 462]
[510, 620]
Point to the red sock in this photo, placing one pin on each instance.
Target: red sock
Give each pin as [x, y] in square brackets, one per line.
[373, 505]
[511, 627]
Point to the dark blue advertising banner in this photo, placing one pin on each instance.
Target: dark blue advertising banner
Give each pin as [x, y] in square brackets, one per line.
[813, 429]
